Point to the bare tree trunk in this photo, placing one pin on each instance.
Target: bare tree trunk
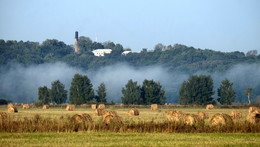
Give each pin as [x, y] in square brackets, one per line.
[248, 97]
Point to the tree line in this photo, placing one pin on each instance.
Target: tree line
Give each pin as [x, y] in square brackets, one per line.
[81, 91]
[198, 89]
[176, 57]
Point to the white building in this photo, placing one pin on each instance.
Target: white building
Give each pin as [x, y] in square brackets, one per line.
[127, 52]
[101, 52]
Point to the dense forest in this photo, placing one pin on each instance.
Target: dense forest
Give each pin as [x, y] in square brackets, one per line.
[174, 58]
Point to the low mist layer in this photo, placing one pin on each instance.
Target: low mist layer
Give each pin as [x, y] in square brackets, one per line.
[20, 84]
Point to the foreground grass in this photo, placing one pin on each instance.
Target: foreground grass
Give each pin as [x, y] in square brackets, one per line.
[129, 139]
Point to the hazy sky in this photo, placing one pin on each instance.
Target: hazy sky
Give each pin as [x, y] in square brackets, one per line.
[225, 25]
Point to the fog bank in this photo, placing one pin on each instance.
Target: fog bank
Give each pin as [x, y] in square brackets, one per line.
[20, 84]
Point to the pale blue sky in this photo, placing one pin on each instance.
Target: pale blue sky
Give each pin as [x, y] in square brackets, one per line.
[224, 25]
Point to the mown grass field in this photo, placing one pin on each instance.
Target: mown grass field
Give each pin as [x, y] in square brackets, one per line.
[128, 139]
[121, 138]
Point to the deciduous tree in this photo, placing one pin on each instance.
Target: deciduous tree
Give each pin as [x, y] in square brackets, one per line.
[131, 93]
[101, 93]
[81, 90]
[58, 93]
[197, 90]
[44, 94]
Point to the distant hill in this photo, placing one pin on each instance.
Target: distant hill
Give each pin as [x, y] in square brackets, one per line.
[175, 58]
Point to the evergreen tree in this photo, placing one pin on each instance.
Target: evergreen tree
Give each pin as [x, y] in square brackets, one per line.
[44, 94]
[226, 93]
[131, 93]
[152, 92]
[101, 93]
[197, 90]
[58, 93]
[81, 90]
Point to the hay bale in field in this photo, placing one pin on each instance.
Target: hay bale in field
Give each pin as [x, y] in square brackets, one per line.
[93, 106]
[70, 107]
[101, 106]
[105, 113]
[154, 107]
[235, 114]
[133, 112]
[3, 115]
[253, 118]
[111, 116]
[254, 110]
[10, 105]
[26, 106]
[202, 115]
[79, 118]
[45, 107]
[190, 119]
[253, 115]
[174, 116]
[12, 110]
[209, 106]
[221, 120]
[87, 117]
[108, 119]
[99, 112]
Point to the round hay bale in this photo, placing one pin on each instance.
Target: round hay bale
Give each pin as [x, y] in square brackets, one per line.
[133, 112]
[26, 106]
[101, 106]
[70, 107]
[254, 110]
[221, 120]
[189, 119]
[154, 107]
[111, 116]
[12, 110]
[202, 115]
[108, 119]
[253, 118]
[93, 106]
[236, 115]
[99, 112]
[105, 113]
[87, 117]
[209, 106]
[80, 118]
[174, 116]
[45, 107]
[77, 118]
